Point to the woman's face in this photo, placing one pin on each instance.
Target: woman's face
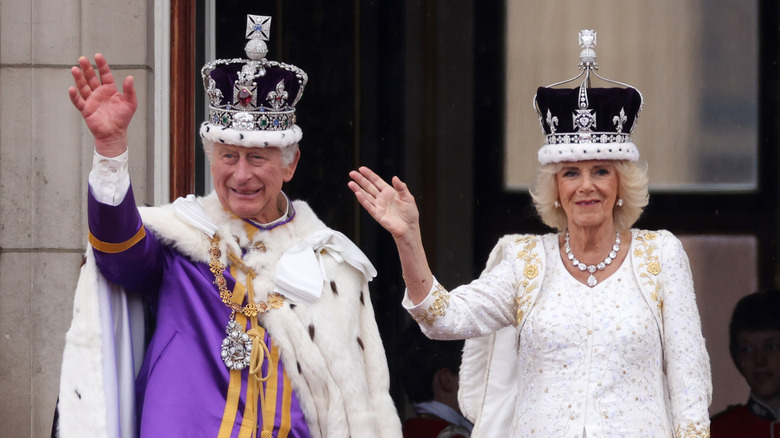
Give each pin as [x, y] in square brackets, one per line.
[758, 354]
[587, 191]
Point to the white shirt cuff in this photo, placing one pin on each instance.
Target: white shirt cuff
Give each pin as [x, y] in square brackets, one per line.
[109, 178]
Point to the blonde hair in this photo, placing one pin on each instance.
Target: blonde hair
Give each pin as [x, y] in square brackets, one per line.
[632, 188]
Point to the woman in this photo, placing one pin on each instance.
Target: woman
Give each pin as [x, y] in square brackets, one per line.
[591, 331]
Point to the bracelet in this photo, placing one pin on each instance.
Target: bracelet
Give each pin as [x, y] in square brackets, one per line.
[412, 282]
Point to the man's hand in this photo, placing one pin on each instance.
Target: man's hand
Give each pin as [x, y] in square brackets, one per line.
[106, 111]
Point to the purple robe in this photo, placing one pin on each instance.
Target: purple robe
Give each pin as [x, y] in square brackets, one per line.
[182, 387]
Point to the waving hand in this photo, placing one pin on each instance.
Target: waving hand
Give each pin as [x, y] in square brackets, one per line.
[106, 111]
[392, 206]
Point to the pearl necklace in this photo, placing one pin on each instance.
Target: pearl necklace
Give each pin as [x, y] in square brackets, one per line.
[592, 268]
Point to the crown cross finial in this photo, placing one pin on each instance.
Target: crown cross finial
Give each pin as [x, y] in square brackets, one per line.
[258, 31]
[258, 26]
[587, 40]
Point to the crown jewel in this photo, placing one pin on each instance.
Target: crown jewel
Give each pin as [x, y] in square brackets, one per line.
[253, 94]
[602, 119]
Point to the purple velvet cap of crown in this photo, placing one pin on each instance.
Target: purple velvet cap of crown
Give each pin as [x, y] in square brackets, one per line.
[599, 129]
[226, 75]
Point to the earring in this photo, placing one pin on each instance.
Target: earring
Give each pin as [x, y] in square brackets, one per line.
[620, 202]
[556, 204]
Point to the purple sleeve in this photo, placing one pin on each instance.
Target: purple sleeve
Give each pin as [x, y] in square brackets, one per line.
[126, 253]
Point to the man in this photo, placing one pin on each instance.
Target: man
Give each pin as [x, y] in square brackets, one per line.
[430, 377]
[263, 320]
[754, 344]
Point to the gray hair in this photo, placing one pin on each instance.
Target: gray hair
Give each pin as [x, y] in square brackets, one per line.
[632, 188]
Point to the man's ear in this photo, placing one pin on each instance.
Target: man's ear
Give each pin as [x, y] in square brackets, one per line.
[289, 171]
[446, 380]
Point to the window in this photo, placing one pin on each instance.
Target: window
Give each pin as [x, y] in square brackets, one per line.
[697, 68]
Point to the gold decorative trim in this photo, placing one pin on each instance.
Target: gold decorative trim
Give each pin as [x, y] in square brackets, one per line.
[437, 309]
[114, 248]
[692, 431]
[650, 267]
[531, 262]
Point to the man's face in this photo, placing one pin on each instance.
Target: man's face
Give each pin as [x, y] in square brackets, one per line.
[758, 354]
[248, 181]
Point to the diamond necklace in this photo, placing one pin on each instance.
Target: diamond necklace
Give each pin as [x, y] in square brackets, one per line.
[592, 268]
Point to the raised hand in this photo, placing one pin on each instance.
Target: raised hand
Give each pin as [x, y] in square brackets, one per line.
[106, 111]
[392, 206]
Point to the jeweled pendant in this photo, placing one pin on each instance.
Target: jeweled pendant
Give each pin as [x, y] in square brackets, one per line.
[592, 280]
[236, 347]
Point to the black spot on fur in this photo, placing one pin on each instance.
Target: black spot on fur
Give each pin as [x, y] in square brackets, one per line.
[361, 298]
[241, 136]
[298, 364]
[78, 394]
[360, 342]
[334, 288]
[292, 305]
[208, 128]
[265, 143]
[311, 331]
[221, 141]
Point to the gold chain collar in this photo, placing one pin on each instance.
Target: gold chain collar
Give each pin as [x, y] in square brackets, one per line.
[275, 301]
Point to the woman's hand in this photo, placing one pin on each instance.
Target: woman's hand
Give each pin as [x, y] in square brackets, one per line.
[106, 111]
[392, 206]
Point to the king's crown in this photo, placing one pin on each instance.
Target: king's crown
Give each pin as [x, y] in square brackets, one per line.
[253, 94]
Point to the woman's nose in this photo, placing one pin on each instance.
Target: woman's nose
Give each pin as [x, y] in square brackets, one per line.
[587, 183]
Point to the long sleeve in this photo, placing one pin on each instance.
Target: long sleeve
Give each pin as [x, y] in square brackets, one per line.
[686, 360]
[124, 251]
[480, 308]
